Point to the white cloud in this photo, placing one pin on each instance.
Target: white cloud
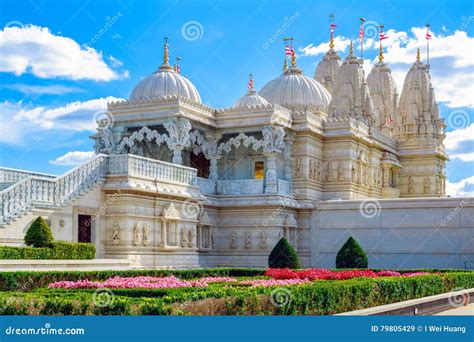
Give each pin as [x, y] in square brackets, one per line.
[465, 157]
[20, 122]
[73, 158]
[340, 44]
[36, 50]
[452, 65]
[459, 137]
[463, 188]
[47, 90]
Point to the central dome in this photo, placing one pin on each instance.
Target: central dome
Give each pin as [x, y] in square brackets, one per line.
[165, 81]
[295, 90]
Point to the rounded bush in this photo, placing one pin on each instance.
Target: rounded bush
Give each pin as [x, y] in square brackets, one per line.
[283, 255]
[39, 234]
[351, 255]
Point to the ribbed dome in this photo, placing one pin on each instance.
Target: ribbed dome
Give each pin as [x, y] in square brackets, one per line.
[293, 90]
[251, 99]
[165, 81]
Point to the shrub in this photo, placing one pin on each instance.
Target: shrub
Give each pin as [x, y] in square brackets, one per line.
[283, 255]
[351, 255]
[39, 234]
[59, 250]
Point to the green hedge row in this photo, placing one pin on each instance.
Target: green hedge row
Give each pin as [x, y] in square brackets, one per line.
[59, 250]
[29, 280]
[318, 298]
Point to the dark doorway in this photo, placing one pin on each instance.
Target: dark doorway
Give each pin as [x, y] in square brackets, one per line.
[199, 162]
[84, 228]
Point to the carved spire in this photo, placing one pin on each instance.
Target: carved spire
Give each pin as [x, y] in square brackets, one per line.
[331, 28]
[351, 50]
[166, 53]
[418, 56]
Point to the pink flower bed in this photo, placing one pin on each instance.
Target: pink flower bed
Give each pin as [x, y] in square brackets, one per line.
[139, 282]
[325, 274]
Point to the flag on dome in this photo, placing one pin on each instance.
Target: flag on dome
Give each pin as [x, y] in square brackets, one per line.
[428, 34]
[382, 34]
[389, 120]
[251, 84]
[288, 50]
[361, 28]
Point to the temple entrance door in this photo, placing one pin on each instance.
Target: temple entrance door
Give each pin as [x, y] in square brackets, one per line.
[84, 228]
[199, 162]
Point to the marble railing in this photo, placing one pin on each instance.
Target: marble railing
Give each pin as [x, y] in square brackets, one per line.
[28, 192]
[151, 168]
[8, 175]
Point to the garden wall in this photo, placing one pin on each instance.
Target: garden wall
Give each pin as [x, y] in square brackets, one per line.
[397, 233]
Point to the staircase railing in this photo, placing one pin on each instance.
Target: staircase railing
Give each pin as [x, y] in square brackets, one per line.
[8, 175]
[16, 200]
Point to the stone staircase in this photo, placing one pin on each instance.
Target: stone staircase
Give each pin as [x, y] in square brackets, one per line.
[21, 191]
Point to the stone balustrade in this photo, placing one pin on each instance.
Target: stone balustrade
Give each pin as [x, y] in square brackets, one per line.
[22, 196]
[239, 187]
[137, 166]
[8, 175]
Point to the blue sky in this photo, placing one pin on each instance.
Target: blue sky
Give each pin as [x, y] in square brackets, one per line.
[60, 61]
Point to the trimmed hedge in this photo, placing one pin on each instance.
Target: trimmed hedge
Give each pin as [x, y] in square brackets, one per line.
[351, 255]
[283, 255]
[59, 250]
[318, 298]
[39, 234]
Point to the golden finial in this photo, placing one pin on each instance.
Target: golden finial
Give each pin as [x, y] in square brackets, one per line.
[380, 53]
[293, 57]
[285, 65]
[166, 53]
[418, 56]
[331, 27]
[351, 49]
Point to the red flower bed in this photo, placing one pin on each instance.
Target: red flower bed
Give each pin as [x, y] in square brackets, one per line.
[325, 274]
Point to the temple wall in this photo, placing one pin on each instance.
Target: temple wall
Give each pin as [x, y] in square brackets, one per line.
[403, 233]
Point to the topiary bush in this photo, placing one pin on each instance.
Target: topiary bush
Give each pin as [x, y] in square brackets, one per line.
[351, 255]
[39, 234]
[283, 255]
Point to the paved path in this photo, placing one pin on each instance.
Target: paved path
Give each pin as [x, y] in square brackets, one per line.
[467, 310]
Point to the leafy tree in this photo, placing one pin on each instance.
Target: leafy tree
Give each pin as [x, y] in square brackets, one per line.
[39, 234]
[283, 255]
[351, 255]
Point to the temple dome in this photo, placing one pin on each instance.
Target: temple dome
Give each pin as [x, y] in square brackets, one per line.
[251, 99]
[295, 90]
[165, 81]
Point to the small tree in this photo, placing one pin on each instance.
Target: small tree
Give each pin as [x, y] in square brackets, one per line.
[351, 255]
[39, 234]
[283, 255]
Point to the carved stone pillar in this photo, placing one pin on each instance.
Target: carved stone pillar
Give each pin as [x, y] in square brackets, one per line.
[211, 153]
[288, 159]
[395, 173]
[178, 137]
[163, 236]
[271, 186]
[386, 175]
